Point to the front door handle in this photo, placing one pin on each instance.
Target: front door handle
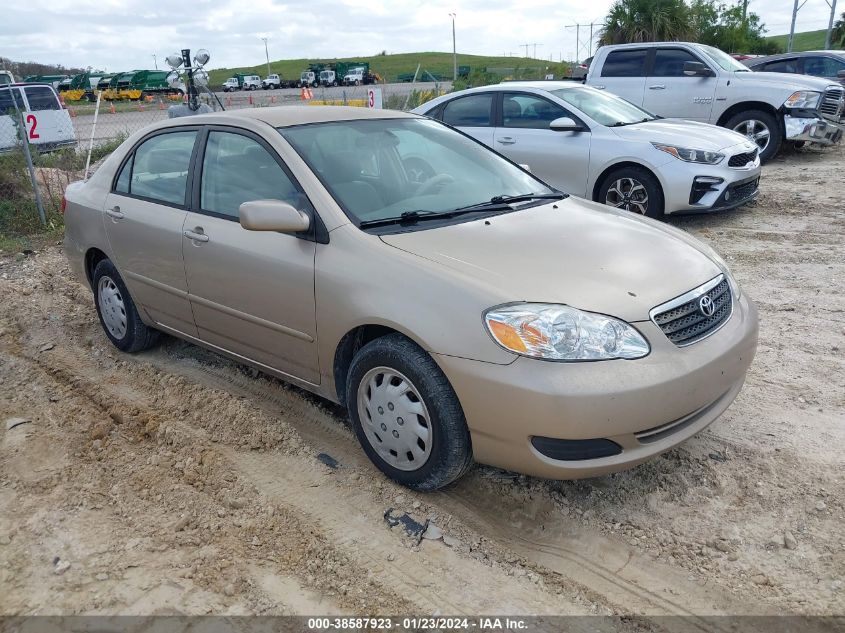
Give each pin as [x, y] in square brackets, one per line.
[115, 213]
[506, 140]
[657, 87]
[599, 87]
[197, 237]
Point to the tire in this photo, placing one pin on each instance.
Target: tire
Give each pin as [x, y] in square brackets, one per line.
[357, 83]
[112, 301]
[752, 123]
[445, 453]
[623, 188]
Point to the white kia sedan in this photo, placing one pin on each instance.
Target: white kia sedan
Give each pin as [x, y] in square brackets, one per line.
[598, 146]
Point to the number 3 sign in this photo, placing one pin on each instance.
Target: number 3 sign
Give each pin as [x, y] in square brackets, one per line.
[374, 98]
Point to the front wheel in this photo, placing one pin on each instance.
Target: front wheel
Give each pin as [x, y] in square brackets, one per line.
[117, 312]
[632, 189]
[760, 127]
[406, 415]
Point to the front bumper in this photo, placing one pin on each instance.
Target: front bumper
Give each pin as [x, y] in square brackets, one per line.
[813, 130]
[645, 406]
[727, 186]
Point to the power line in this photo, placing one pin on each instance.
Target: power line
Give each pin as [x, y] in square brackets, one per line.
[588, 45]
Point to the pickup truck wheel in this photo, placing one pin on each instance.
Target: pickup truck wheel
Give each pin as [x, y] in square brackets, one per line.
[357, 83]
[117, 312]
[632, 189]
[406, 415]
[761, 128]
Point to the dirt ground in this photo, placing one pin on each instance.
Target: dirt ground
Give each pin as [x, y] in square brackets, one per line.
[176, 481]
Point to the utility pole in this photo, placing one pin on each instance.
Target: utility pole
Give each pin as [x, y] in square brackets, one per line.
[454, 49]
[534, 44]
[155, 61]
[267, 55]
[588, 45]
[832, 4]
[795, 8]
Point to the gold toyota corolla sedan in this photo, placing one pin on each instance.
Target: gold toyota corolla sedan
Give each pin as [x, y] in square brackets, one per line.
[459, 307]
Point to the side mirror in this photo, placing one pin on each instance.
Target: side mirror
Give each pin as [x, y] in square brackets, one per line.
[565, 124]
[272, 215]
[841, 74]
[697, 69]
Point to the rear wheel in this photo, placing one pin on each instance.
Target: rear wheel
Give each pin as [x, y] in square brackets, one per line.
[632, 189]
[760, 127]
[117, 312]
[406, 415]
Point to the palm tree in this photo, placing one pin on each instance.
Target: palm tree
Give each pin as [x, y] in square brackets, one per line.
[837, 37]
[646, 21]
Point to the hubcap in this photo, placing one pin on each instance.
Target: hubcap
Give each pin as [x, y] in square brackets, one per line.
[628, 194]
[112, 307]
[394, 418]
[756, 131]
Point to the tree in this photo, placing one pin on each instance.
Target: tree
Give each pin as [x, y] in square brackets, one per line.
[837, 38]
[646, 21]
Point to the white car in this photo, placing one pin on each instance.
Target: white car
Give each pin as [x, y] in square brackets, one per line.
[231, 84]
[598, 146]
[47, 124]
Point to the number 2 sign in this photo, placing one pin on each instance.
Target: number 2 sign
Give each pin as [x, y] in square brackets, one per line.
[374, 98]
[31, 125]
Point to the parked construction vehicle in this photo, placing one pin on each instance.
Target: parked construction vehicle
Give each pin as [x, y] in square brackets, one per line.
[277, 81]
[53, 80]
[360, 75]
[81, 86]
[242, 81]
[138, 84]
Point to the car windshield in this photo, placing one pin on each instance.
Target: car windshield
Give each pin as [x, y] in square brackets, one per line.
[603, 107]
[725, 61]
[379, 169]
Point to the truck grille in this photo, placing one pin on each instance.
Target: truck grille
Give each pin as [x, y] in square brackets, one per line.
[832, 103]
[741, 160]
[689, 318]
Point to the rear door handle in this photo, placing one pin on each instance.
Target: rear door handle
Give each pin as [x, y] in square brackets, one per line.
[115, 213]
[506, 140]
[657, 87]
[197, 237]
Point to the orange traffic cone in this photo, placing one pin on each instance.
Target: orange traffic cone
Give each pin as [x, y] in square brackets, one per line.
[273, 99]
[111, 108]
[228, 101]
[140, 106]
[250, 99]
[72, 112]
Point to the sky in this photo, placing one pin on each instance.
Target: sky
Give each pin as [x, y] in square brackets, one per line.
[125, 34]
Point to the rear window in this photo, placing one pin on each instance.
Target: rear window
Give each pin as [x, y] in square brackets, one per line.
[41, 98]
[625, 63]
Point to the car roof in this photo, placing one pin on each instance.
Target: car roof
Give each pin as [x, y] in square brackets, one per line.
[793, 54]
[547, 84]
[650, 44]
[286, 116]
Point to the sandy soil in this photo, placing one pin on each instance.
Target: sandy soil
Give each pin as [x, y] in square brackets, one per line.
[176, 481]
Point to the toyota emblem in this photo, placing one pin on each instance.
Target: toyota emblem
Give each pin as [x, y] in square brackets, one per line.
[706, 305]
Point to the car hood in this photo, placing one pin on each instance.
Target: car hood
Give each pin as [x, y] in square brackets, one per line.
[574, 252]
[689, 134]
[789, 81]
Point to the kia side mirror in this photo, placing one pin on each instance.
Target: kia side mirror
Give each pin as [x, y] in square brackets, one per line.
[272, 215]
[565, 124]
[697, 69]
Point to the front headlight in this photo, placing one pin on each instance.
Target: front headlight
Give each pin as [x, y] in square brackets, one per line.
[805, 99]
[690, 155]
[558, 332]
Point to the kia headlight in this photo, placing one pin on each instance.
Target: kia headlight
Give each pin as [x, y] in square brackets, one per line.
[803, 99]
[558, 332]
[690, 155]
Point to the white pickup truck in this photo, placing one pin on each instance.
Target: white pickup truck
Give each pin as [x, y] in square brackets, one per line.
[701, 83]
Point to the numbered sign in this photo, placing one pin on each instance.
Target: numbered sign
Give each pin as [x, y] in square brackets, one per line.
[374, 98]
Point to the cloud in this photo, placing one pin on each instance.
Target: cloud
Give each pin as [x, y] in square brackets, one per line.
[124, 34]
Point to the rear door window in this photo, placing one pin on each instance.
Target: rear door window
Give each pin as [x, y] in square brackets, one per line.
[625, 63]
[470, 111]
[520, 110]
[160, 167]
[41, 98]
[823, 66]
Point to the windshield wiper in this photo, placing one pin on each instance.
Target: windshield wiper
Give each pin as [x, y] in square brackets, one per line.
[412, 217]
[623, 123]
[504, 202]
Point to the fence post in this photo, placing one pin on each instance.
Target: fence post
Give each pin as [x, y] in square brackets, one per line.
[30, 166]
[91, 142]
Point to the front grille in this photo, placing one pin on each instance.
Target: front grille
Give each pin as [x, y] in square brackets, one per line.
[832, 102]
[741, 160]
[684, 322]
[741, 192]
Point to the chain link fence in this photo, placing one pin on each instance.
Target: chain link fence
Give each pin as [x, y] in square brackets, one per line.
[45, 145]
